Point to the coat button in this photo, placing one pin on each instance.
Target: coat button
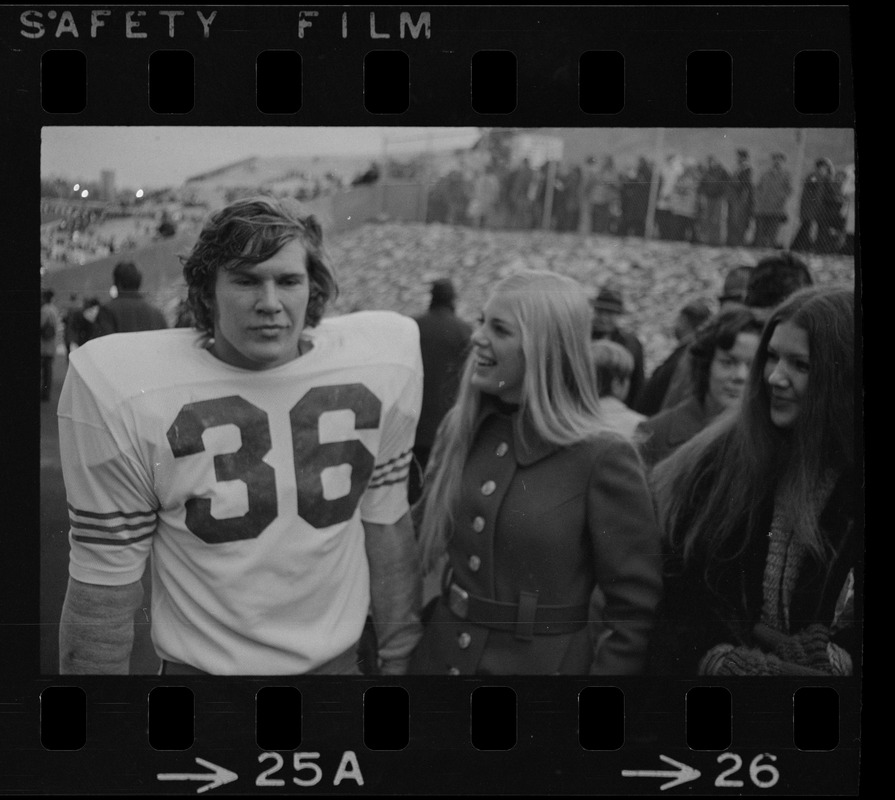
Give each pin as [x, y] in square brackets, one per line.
[453, 671]
[475, 563]
[478, 524]
[502, 449]
[464, 640]
[488, 488]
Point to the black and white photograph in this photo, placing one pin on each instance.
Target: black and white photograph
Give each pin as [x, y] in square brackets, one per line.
[585, 359]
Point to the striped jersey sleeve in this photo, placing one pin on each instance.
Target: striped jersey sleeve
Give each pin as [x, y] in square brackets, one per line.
[111, 504]
[385, 500]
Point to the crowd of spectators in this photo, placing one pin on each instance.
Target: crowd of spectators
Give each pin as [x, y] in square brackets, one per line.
[76, 235]
[80, 236]
[701, 202]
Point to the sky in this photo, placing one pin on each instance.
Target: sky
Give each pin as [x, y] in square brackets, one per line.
[154, 157]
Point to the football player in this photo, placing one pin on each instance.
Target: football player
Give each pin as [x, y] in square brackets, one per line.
[261, 459]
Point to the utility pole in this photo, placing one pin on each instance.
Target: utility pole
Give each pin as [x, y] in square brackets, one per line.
[793, 221]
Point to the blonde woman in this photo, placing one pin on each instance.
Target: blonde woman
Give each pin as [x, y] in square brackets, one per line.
[553, 554]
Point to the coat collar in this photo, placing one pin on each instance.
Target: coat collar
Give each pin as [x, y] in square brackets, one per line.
[690, 419]
[528, 447]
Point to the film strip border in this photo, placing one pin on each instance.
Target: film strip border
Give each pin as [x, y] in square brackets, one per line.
[494, 82]
[489, 66]
[698, 66]
[488, 735]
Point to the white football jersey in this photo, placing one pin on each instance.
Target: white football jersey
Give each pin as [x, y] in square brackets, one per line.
[247, 487]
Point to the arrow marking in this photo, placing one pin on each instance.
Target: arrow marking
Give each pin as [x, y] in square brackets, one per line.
[217, 777]
[682, 774]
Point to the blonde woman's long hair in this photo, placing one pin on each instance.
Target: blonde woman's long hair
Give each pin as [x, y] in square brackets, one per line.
[559, 399]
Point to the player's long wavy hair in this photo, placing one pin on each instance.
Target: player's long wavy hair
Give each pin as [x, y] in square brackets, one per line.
[720, 483]
[559, 400]
[249, 231]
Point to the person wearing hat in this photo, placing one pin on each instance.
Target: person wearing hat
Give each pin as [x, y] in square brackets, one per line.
[740, 200]
[771, 193]
[444, 341]
[608, 308]
[736, 281]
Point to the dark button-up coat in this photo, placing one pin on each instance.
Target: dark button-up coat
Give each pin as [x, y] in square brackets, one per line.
[695, 618]
[549, 526]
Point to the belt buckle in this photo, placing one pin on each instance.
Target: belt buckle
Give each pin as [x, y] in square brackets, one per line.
[458, 601]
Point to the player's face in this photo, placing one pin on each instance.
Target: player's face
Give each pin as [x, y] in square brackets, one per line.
[729, 370]
[260, 310]
[497, 348]
[786, 373]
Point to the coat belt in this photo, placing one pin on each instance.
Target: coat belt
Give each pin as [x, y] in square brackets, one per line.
[525, 619]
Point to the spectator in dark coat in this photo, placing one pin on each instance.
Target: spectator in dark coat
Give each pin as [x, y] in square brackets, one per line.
[634, 199]
[608, 308]
[128, 311]
[712, 192]
[444, 341]
[70, 318]
[690, 317]
[568, 204]
[819, 199]
[740, 198]
[82, 324]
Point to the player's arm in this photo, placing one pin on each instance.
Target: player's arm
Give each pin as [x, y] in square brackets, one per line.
[395, 591]
[96, 631]
[112, 517]
[395, 568]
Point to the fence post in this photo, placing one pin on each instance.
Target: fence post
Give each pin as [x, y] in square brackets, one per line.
[650, 230]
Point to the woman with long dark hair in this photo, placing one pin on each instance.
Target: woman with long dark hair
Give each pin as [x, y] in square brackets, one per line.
[553, 550]
[761, 511]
